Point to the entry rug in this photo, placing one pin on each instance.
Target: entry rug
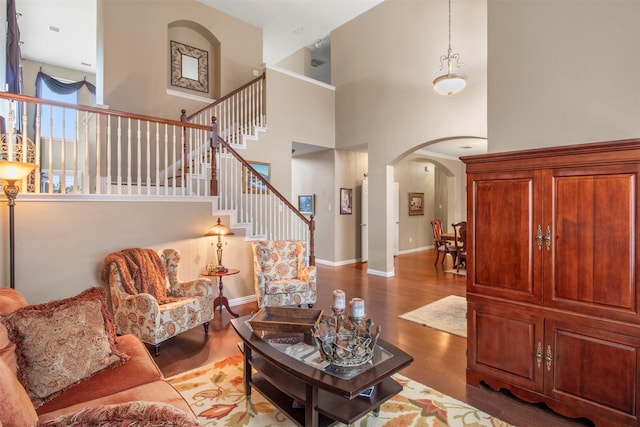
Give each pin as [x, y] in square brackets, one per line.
[448, 314]
[216, 395]
[461, 272]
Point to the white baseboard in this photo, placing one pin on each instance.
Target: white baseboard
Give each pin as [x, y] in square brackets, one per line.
[242, 300]
[412, 250]
[337, 263]
[381, 273]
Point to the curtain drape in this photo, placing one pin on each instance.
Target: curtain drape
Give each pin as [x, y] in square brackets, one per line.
[13, 50]
[60, 87]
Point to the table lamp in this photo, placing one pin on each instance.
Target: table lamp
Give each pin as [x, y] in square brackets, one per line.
[12, 172]
[218, 230]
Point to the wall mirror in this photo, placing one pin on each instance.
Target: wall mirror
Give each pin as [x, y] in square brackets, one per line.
[189, 67]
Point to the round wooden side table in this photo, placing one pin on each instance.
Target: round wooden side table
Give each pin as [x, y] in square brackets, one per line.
[221, 300]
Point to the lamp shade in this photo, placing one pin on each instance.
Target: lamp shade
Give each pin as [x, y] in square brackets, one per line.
[219, 230]
[450, 84]
[15, 171]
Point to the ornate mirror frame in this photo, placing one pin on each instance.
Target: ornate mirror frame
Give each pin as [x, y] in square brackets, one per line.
[189, 67]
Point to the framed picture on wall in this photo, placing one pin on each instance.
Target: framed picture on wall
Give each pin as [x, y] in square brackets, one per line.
[251, 183]
[346, 200]
[416, 203]
[306, 204]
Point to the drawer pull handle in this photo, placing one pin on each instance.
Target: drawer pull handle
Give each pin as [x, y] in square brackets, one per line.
[547, 238]
[539, 237]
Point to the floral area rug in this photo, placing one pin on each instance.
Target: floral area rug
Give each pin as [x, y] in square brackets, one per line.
[215, 393]
[448, 314]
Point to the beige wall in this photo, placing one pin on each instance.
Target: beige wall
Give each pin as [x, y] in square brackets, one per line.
[298, 110]
[562, 72]
[314, 174]
[384, 96]
[298, 62]
[415, 230]
[135, 54]
[60, 245]
[350, 169]
[442, 186]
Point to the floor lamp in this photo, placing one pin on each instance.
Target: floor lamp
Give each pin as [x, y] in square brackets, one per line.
[13, 172]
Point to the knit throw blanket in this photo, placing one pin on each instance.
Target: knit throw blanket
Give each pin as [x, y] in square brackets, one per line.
[141, 271]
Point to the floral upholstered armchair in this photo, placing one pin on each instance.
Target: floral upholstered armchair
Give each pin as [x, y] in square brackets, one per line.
[281, 276]
[148, 298]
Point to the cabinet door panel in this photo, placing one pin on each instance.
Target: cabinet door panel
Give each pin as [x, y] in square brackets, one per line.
[594, 216]
[504, 343]
[504, 213]
[593, 366]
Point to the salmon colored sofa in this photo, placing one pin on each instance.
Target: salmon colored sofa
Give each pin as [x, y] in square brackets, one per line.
[132, 388]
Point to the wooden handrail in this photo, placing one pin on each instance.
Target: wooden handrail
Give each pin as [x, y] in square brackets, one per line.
[227, 96]
[309, 222]
[98, 110]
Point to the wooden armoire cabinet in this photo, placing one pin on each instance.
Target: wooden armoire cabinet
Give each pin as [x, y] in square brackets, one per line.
[552, 277]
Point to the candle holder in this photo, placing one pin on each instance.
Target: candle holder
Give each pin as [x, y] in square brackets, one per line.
[345, 342]
[338, 318]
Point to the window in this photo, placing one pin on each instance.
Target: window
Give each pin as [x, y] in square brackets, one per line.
[55, 114]
[71, 184]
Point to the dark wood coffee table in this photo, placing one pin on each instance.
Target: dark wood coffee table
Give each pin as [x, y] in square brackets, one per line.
[325, 397]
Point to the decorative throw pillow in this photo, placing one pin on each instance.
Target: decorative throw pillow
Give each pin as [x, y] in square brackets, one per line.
[17, 409]
[137, 413]
[61, 343]
[10, 301]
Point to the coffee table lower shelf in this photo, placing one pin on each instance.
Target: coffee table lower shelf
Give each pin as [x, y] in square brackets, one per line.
[282, 389]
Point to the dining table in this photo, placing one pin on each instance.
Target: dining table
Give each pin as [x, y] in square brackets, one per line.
[451, 237]
[448, 236]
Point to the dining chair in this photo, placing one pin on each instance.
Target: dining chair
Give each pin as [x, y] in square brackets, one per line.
[443, 246]
[460, 240]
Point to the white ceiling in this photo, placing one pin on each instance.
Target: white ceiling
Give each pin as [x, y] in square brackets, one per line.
[455, 148]
[63, 33]
[72, 46]
[288, 25]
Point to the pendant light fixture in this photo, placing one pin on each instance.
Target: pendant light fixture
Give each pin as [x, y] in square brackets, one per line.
[450, 76]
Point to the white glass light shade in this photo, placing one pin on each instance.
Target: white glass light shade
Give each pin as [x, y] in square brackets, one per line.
[450, 84]
[15, 171]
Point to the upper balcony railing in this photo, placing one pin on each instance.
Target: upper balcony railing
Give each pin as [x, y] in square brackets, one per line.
[88, 150]
[238, 113]
[82, 150]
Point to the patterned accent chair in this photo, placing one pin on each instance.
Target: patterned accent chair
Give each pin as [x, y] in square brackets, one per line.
[281, 276]
[191, 304]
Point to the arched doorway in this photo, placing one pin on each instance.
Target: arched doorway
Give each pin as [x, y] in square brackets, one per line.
[440, 178]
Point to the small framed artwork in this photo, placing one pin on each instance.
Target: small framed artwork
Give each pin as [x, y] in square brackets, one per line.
[416, 203]
[306, 204]
[189, 67]
[252, 183]
[346, 200]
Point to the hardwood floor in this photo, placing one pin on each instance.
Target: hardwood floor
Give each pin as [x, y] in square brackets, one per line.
[439, 357]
